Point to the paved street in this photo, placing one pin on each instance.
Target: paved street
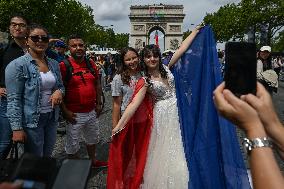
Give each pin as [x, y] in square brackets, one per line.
[98, 177]
[278, 100]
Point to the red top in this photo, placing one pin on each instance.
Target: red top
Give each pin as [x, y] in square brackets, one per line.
[80, 92]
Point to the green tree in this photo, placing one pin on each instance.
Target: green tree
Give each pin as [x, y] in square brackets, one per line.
[60, 17]
[97, 35]
[121, 40]
[234, 20]
[110, 39]
[227, 22]
[186, 34]
[72, 17]
[264, 13]
[107, 38]
[278, 43]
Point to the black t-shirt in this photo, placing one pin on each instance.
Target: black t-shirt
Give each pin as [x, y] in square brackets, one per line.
[12, 51]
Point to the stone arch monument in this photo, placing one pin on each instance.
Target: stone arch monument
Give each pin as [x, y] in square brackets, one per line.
[145, 19]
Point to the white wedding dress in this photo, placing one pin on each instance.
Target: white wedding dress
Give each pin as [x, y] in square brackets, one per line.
[166, 166]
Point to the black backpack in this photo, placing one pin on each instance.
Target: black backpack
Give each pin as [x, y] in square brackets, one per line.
[69, 69]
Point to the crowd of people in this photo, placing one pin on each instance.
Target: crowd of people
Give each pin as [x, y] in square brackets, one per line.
[160, 138]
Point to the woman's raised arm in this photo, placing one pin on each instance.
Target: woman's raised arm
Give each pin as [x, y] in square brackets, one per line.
[184, 46]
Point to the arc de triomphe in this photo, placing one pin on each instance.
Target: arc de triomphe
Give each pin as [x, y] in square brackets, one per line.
[145, 19]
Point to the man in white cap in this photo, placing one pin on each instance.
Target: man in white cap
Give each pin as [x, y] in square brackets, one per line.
[265, 73]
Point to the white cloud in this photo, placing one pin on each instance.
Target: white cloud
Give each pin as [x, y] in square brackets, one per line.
[223, 2]
[115, 12]
[112, 10]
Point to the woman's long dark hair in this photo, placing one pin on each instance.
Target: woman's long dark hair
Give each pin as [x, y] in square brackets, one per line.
[123, 69]
[155, 50]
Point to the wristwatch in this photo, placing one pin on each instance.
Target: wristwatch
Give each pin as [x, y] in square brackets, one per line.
[250, 144]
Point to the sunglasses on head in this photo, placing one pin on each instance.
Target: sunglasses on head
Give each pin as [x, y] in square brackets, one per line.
[36, 38]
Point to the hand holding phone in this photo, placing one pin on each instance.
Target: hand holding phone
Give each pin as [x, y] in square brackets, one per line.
[240, 68]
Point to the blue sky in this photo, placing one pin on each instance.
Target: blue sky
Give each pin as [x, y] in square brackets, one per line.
[115, 12]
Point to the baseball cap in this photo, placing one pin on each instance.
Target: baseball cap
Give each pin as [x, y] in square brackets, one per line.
[60, 44]
[265, 48]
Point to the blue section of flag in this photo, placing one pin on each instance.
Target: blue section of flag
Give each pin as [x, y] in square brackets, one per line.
[210, 142]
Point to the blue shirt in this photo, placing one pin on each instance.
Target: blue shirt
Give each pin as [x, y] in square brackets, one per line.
[23, 81]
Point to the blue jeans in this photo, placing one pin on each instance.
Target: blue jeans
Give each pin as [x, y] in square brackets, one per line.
[41, 140]
[5, 129]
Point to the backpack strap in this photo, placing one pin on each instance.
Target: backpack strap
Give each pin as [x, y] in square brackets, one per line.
[90, 67]
[69, 71]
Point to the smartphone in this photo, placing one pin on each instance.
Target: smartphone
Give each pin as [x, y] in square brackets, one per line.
[240, 68]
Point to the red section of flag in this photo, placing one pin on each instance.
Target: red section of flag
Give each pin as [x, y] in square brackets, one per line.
[156, 37]
[128, 149]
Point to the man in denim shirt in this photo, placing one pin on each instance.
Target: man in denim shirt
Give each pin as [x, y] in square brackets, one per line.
[15, 49]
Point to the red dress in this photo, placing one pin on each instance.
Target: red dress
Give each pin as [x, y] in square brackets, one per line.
[128, 150]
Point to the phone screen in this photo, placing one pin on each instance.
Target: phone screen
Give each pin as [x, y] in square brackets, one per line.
[240, 67]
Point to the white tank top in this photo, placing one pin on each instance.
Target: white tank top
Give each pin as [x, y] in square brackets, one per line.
[47, 85]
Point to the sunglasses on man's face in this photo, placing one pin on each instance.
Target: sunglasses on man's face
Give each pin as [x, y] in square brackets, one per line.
[36, 38]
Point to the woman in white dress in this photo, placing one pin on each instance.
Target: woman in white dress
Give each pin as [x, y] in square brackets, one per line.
[165, 165]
